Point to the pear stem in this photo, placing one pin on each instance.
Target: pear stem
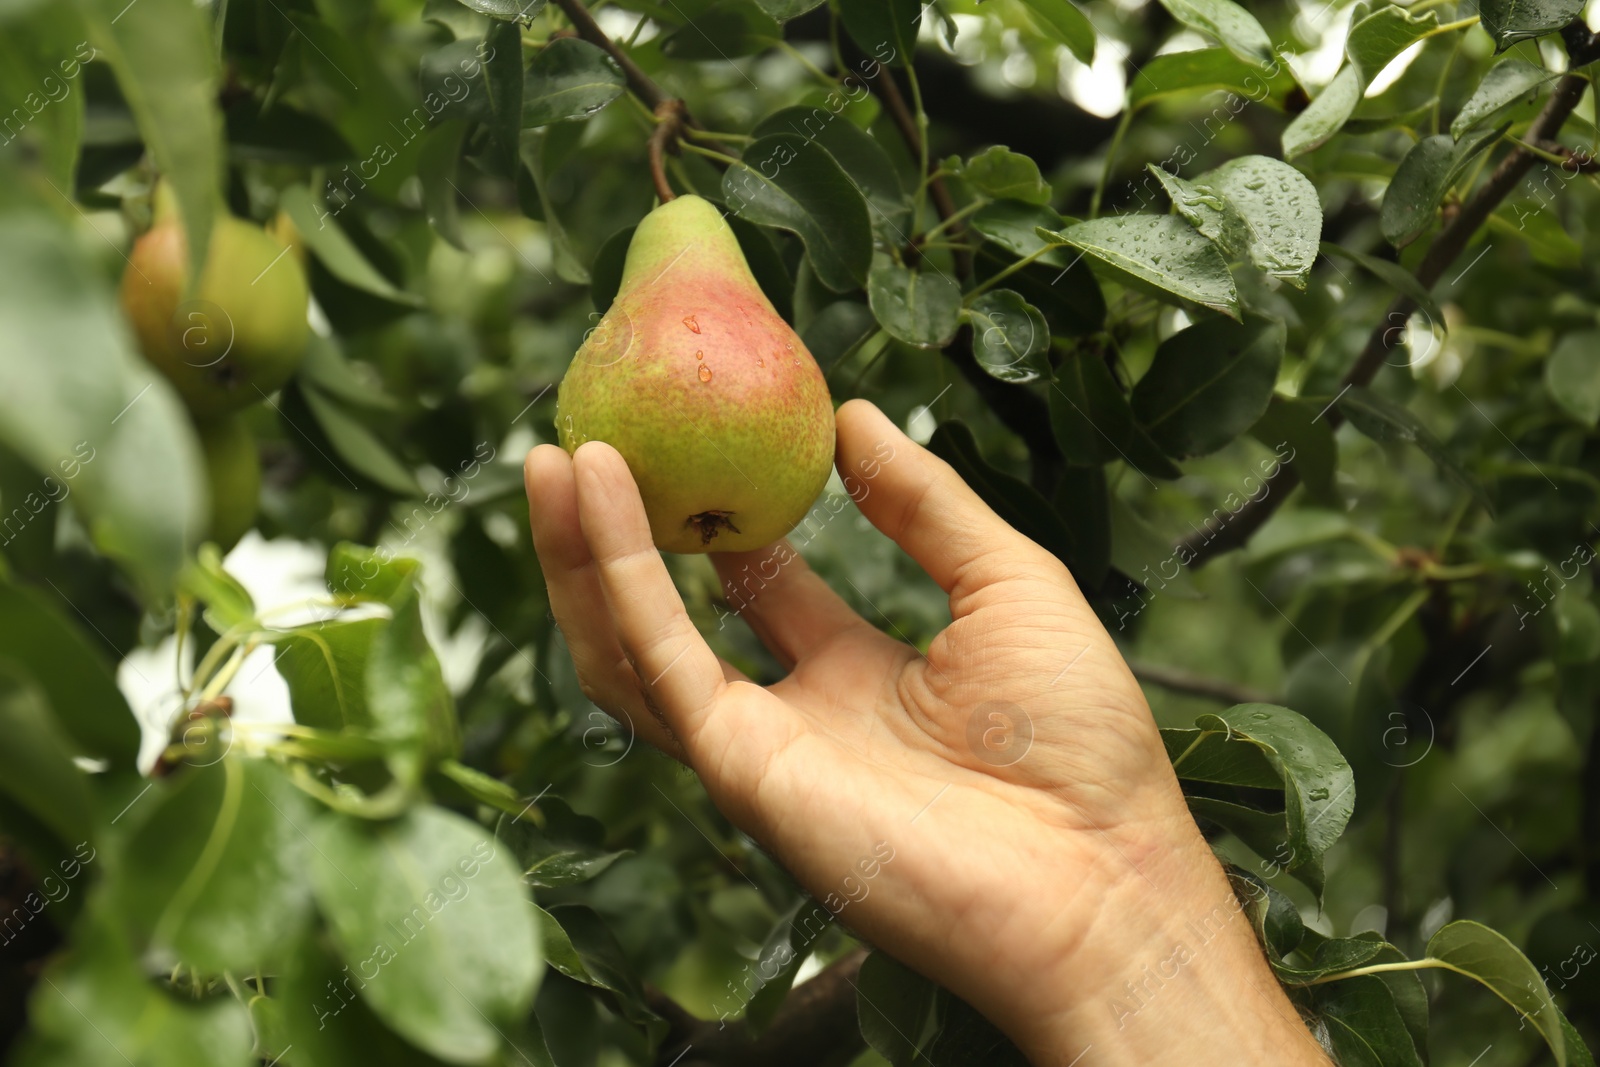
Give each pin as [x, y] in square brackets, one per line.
[670, 117]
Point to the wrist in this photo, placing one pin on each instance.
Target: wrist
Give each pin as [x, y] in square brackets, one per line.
[1172, 969]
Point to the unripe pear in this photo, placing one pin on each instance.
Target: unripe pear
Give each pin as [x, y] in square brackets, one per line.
[233, 475]
[719, 410]
[240, 333]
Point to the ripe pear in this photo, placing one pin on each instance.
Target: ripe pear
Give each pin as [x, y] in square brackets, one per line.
[719, 410]
[239, 334]
[233, 476]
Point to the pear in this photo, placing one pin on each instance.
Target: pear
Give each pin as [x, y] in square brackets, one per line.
[239, 333]
[719, 410]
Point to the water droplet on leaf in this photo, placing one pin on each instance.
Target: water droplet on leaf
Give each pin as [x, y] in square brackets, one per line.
[694, 327]
[705, 373]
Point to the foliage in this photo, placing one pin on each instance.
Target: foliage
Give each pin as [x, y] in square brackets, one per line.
[375, 818]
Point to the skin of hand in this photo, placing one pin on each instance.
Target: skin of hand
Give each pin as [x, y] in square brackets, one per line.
[1044, 865]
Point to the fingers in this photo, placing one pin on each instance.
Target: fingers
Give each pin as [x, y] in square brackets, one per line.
[576, 599]
[677, 669]
[920, 502]
[790, 609]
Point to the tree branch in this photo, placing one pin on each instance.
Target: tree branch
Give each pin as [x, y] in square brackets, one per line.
[816, 1027]
[1233, 531]
[1180, 681]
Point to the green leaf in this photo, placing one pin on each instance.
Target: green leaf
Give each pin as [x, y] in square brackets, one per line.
[724, 30]
[502, 85]
[41, 56]
[920, 307]
[83, 409]
[540, 158]
[130, 1020]
[1159, 254]
[1227, 22]
[1002, 174]
[1318, 787]
[1332, 955]
[1478, 952]
[1014, 500]
[1364, 1024]
[1062, 21]
[1093, 423]
[1394, 275]
[509, 10]
[1510, 81]
[567, 850]
[1383, 35]
[857, 152]
[406, 696]
[358, 573]
[326, 1022]
[894, 1006]
[335, 250]
[325, 664]
[162, 53]
[1208, 384]
[437, 915]
[79, 687]
[216, 872]
[885, 29]
[784, 10]
[787, 947]
[836, 330]
[1325, 115]
[1211, 68]
[1510, 21]
[359, 446]
[1212, 756]
[1572, 376]
[603, 958]
[1294, 429]
[1009, 336]
[1015, 226]
[1275, 917]
[1426, 173]
[569, 79]
[559, 951]
[36, 768]
[1280, 210]
[1384, 420]
[786, 181]
[437, 162]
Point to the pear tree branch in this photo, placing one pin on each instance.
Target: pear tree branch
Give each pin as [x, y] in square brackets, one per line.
[1233, 532]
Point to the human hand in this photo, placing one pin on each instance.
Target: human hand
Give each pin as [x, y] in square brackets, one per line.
[1053, 884]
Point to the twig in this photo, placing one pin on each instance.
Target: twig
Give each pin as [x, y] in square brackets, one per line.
[1194, 685]
[670, 115]
[1216, 539]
